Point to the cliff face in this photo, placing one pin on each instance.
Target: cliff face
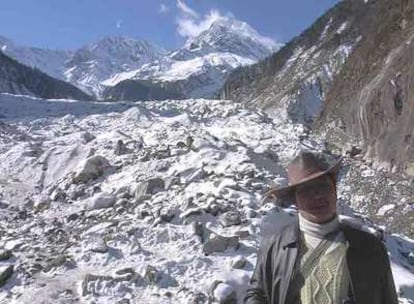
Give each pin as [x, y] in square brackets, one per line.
[348, 76]
[371, 99]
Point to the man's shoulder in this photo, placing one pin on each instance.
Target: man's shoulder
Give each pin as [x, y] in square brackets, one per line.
[287, 231]
[363, 239]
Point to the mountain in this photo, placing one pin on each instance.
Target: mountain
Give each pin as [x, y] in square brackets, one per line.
[347, 76]
[200, 68]
[16, 78]
[92, 64]
[227, 35]
[88, 66]
[51, 62]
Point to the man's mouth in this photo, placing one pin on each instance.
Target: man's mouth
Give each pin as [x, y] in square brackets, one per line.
[317, 207]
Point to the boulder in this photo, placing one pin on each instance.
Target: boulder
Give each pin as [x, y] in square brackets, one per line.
[97, 244]
[92, 168]
[230, 218]
[60, 261]
[121, 148]
[42, 202]
[223, 293]
[5, 254]
[5, 273]
[239, 262]
[100, 201]
[159, 278]
[149, 187]
[87, 137]
[218, 243]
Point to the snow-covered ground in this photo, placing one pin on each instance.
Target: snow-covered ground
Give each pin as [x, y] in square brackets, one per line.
[155, 202]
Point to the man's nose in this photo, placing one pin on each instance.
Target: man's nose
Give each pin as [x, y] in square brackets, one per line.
[318, 192]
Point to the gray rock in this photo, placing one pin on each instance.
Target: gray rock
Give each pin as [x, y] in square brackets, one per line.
[97, 244]
[194, 176]
[189, 142]
[92, 168]
[87, 137]
[198, 229]
[167, 215]
[100, 201]
[60, 261]
[230, 218]
[127, 274]
[92, 284]
[199, 298]
[89, 282]
[181, 144]
[193, 212]
[5, 254]
[242, 234]
[77, 191]
[3, 205]
[218, 243]
[41, 202]
[58, 195]
[123, 271]
[250, 213]
[239, 262]
[159, 278]
[171, 181]
[121, 149]
[161, 154]
[214, 209]
[146, 188]
[5, 273]
[72, 217]
[223, 293]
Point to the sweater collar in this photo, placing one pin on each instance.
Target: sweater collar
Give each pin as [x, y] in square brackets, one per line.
[318, 230]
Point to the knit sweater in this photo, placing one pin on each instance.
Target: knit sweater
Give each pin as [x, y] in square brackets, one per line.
[328, 282]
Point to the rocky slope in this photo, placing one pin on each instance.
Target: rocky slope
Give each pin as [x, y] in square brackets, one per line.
[51, 62]
[294, 81]
[348, 76]
[16, 78]
[371, 99]
[158, 202]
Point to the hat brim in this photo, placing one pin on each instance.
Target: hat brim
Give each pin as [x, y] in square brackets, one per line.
[287, 193]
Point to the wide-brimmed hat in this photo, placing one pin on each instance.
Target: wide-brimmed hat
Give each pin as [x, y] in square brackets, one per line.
[303, 168]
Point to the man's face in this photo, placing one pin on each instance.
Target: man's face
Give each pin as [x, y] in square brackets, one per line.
[316, 200]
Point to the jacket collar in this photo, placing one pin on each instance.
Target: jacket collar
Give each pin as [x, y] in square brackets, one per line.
[291, 235]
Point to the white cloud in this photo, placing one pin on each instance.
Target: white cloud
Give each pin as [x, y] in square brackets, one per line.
[119, 24]
[164, 9]
[192, 26]
[186, 10]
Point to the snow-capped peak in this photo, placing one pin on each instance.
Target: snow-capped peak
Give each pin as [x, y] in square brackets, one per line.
[124, 44]
[201, 66]
[98, 61]
[227, 34]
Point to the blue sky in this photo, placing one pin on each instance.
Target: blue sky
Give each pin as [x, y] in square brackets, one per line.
[69, 24]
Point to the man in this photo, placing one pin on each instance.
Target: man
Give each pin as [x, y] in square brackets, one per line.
[316, 259]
